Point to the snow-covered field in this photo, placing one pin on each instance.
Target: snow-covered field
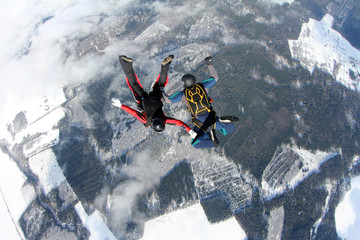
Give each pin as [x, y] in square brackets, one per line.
[320, 46]
[95, 224]
[45, 166]
[191, 223]
[289, 167]
[347, 214]
[14, 198]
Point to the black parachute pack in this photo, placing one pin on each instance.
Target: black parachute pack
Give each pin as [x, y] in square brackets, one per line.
[197, 99]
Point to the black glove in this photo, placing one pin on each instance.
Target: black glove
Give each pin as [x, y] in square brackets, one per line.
[208, 60]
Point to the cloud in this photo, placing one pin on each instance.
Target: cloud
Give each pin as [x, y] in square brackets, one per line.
[39, 48]
[141, 176]
[347, 214]
[278, 1]
[187, 10]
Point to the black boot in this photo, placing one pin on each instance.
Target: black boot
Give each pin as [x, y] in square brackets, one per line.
[125, 58]
[228, 119]
[167, 60]
[213, 137]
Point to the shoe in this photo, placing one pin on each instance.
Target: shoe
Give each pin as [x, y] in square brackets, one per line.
[213, 137]
[208, 60]
[167, 60]
[125, 58]
[228, 119]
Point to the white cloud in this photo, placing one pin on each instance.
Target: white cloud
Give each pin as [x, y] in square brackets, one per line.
[279, 1]
[37, 51]
[347, 214]
[142, 175]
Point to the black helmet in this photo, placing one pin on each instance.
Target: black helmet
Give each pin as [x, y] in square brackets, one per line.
[188, 80]
[158, 125]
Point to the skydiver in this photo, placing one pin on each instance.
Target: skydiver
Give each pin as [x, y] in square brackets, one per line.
[150, 103]
[204, 118]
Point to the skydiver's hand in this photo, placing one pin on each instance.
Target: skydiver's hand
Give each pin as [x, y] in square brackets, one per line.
[192, 134]
[116, 102]
[208, 60]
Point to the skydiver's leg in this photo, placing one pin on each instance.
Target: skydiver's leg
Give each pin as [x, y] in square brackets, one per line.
[229, 119]
[131, 78]
[163, 78]
[207, 120]
[204, 122]
[204, 141]
[224, 128]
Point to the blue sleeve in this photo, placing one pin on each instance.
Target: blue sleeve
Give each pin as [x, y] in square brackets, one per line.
[208, 83]
[176, 97]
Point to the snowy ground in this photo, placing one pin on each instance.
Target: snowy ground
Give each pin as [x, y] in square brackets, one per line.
[276, 223]
[289, 167]
[14, 198]
[347, 214]
[191, 223]
[95, 224]
[46, 167]
[320, 46]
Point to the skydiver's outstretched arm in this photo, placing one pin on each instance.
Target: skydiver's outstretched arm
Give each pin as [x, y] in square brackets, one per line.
[166, 97]
[173, 121]
[138, 115]
[212, 70]
[209, 83]
[176, 97]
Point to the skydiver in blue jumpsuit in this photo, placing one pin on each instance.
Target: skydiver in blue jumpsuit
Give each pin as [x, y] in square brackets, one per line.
[204, 118]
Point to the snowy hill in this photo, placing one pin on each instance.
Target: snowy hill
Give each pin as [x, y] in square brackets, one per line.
[320, 46]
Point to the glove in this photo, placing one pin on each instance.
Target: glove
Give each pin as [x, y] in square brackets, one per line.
[192, 134]
[116, 102]
[208, 60]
